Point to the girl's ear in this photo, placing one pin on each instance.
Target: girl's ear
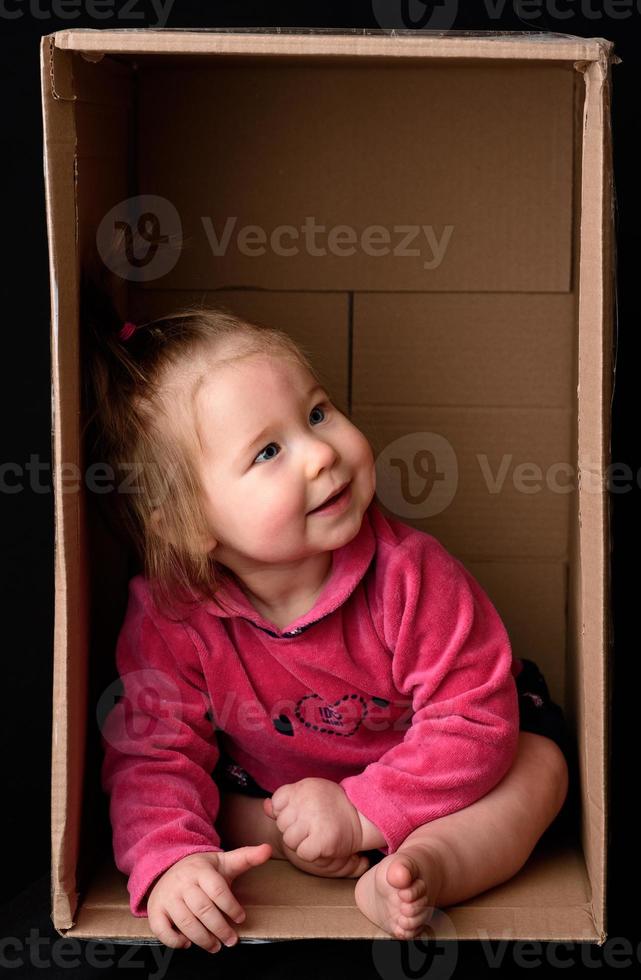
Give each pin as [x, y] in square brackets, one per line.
[206, 543]
[158, 526]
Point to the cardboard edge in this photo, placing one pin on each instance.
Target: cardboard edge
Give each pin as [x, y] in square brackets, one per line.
[610, 340]
[452, 44]
[64, 896]
[598, 210]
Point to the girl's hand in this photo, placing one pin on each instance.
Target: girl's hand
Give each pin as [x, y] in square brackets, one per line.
[343, 867]
[316, 819]
[195, 896]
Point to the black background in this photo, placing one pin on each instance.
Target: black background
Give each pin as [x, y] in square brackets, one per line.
[27, 515]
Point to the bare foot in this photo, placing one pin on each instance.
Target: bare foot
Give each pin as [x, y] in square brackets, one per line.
[399, 893]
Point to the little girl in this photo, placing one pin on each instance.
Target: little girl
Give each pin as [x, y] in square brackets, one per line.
[304, 678]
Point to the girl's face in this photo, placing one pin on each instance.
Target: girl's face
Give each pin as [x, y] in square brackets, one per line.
[274, 448]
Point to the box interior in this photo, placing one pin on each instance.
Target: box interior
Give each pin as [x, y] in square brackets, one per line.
[479, 330]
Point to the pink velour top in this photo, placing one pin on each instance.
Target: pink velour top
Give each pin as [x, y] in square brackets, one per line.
[399, 684]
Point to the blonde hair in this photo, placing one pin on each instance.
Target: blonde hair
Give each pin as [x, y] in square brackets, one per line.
[130, 424]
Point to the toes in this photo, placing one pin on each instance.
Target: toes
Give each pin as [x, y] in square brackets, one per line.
[412, 925]
[416, 890]
[402, 932]
[402, 871]
[412, 921]
[412, 909]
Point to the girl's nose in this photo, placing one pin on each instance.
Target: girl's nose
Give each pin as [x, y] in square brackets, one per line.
[320, 456]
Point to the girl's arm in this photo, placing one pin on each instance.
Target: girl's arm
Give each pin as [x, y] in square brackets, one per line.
[452, 656]
[159, 752]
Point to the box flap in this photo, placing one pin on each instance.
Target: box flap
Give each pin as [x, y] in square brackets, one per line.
[407, 44]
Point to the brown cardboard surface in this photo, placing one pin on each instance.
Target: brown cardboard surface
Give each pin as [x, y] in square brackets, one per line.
[537, 321]
[596, 297]
[325, 43]
[550, 896]
[488, 349]
[69, 678]
[531, 598]
[315, 224]
[494, 454]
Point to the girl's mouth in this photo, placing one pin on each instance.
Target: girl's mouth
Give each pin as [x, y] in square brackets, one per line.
[335, 503]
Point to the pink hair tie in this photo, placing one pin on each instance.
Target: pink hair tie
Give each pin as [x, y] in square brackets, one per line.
[126, 330]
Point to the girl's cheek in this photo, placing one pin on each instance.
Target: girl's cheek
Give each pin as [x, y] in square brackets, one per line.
[365, 450]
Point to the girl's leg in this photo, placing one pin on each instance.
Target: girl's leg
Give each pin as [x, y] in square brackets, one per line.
[462, 854]
[242, 820]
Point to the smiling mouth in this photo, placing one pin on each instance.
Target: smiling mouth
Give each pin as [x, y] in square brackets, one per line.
[331, 500]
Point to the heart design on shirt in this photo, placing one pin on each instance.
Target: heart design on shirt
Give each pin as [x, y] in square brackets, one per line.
[340, 717]
[283, 725]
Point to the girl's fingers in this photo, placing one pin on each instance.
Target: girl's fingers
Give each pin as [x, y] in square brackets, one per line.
[309, 849]
[280, 798]
[286, 818]
[191, 926]
[328, 862]
[223, 897]
[241, 859]
[357, 865]
[160, 925]
[207, 910]
[293, 835]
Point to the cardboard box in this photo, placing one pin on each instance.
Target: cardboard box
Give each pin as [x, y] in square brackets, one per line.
[492, 328]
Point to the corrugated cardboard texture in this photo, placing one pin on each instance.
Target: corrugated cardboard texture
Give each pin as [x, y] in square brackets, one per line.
[484, 349]
[70, 667]
[477, 522]
[550, 897]
[594, 392]
[288, 169]
[286, 45]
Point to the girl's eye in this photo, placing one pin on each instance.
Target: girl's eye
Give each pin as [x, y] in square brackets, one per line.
[314, 409]
[264, 450]
[269, 444]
